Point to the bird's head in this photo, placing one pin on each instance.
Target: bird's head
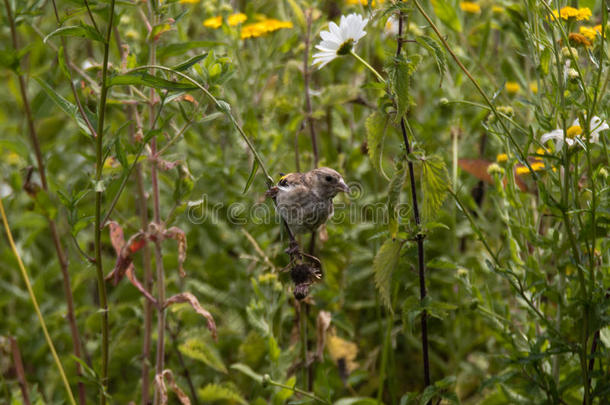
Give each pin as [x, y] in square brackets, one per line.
[328, 182]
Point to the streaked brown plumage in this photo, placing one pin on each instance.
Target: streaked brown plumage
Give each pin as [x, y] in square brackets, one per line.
[305, 200]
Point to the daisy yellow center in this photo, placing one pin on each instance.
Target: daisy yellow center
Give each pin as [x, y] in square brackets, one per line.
[573, 131]
[346, 47]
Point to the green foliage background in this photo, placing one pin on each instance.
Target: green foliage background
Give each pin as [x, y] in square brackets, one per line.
[510, 319]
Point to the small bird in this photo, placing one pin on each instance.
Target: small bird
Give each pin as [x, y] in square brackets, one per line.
[305, 200]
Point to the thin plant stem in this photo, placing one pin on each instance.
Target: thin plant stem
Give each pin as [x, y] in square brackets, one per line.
[369, 67]
[303, 336]
[18, 363]
[297, 390]
[28, 285]
[306, 77]
[420, 236]
[61, 255]
[101, 284]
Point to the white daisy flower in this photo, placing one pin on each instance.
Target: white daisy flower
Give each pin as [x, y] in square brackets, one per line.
[575, 131]
[339, 40]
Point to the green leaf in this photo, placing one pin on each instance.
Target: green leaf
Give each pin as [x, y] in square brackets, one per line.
[247, 371]
[69, 108]
[383, 267]
[187, 64]
[357, 401]
[82, 31]
[148, 80]
[394, 197]
[9, 60]
[400, 72]
[376, 125]
[284, 394]
[215, 392]
[445, 11]
[62, 63]
[437, 51]
[198, 349]
[252, 174]
[435, 181]
[182, 48]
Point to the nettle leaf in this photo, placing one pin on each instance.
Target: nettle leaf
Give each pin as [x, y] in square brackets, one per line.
[438, 52]
[82, 31]
[445, 11]
[376, 125]
[383, 266]
[394, 197]
[435, 180]
[215, 392]
[198, 349]
[400, 72]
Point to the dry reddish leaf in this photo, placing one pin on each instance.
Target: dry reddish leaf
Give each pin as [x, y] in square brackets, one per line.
[180, 237]
[117, 237]
[478, 168]
[169, 376]
[124, 251]
[131, 276]
[191, 299]
[322, 324]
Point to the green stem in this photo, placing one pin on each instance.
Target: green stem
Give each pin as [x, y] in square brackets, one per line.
[101, 285]
[369, 67]
[303, 335]
[28, 285]
[297, 390]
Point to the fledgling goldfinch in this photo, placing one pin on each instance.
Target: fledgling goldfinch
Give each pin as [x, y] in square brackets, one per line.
[305, 200]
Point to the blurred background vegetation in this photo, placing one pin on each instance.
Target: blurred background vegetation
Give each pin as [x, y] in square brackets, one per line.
[514, 328]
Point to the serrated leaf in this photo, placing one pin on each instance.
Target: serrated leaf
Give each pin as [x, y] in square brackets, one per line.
[82, 31]
[435, 180]
[198, 349]
[398, 180]
[383, 266]
[445, 11]
[376, 125]
[215, 392]
[437, 51]
[148, 80]
[400, 76]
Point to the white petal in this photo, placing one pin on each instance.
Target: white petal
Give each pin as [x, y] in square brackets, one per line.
[327, 36]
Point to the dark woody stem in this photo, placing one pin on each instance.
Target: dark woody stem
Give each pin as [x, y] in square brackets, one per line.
[420, 236]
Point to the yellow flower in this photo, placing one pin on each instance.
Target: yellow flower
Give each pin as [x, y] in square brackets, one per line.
[536, 166]
[579, 14]
[213, 22]
[534, 87]
[573, 131]
[363, 2]
[541, 151]
[470, 7]
[501, 158]
[189, 1]
[497, 9]
[12, 158]
[598, 28]
[588, 32]
[236, 18]
[512, 87]
[263, 27]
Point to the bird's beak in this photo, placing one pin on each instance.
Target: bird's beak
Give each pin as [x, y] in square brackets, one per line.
[342, 186]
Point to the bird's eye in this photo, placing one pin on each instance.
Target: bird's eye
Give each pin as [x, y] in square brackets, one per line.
[328, 178]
